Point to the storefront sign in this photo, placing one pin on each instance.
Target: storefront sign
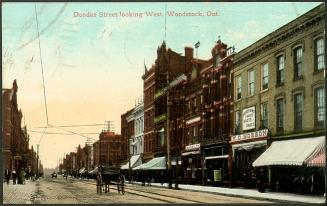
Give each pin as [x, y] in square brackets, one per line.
[17, 157]
[217, 175]
[250, 135]
[192, 147]
[191, 121]
[249, 118]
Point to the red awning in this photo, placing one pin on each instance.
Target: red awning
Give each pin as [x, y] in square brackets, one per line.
[317, 161]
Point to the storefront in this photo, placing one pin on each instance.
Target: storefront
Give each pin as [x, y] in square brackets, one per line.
[246, 148]
[192, 164]
[216, 164]
[295, 165]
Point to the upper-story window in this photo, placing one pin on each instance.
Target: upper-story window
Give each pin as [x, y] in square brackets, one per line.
[280, 115]
[298, 111]
[238, 87]
[280, 69]
[298, 65]
[265, 76]
[238, 122]
[251, 82]
[319, 54]
[319, 107]
[264, 115]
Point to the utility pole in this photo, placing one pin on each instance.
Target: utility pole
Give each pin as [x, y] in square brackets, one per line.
[129, 135]
[168, 134]
[325, 130]
[37, 160]
[110, 125]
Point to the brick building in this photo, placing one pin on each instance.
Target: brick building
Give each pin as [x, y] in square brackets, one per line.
[216, 114]
[148, 92]
[110, 153]
[168, 66]
[279, 96]
[127, 133]
[15, 140]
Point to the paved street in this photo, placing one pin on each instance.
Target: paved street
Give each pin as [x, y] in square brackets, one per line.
[76, 191]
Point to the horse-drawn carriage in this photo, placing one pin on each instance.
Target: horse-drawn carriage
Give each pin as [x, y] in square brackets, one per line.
[105, 176]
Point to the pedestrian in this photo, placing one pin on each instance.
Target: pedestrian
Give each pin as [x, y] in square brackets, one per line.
[261, 180]
[122, 183]
[99, 181]
[7, 175]
[149, 179]
[162, 178]
[22, 176]
[14, 175]
[118, 184]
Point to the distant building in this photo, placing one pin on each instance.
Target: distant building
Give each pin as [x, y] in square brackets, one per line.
[109, 148]
[127, 133]
[138, 139]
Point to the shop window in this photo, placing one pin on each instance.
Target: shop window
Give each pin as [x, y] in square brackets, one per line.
[319, 107]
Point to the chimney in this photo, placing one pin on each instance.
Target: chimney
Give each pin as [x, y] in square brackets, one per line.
[188, 53]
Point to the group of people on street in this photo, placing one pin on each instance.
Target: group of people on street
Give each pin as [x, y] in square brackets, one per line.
[146, 177]
[18, 177]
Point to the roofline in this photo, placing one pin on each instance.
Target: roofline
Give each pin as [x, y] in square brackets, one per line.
[279, 30]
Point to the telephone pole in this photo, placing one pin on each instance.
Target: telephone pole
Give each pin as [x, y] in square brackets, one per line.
[37, 160]
[110, 126]
[168, 134]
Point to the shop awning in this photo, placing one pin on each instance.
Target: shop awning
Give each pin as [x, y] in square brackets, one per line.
[318, 161]
[94, 171]
[290, 152]
[158, 163]
[135, 161]
[216, 157]
[191, 152]
[82, 170]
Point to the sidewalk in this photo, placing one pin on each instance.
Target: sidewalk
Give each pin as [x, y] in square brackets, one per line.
[248, 193]
[18, 194]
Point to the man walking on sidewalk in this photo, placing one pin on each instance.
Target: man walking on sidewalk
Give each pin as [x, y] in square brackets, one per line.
[122, 183]
[14, 175]
[7, 175]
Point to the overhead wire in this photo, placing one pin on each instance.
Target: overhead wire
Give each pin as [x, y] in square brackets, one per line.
[58, 133]
[81, 125]
[38, 36]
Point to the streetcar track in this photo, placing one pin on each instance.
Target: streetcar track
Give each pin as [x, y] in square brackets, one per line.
[152, 193]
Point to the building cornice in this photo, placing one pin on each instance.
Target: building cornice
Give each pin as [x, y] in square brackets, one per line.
[280, 36]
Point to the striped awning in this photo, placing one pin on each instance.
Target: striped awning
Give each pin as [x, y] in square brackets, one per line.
[291, 152]
[158, 163]
[317, 160]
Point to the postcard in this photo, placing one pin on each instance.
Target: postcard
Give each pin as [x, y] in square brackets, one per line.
[163, 102]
